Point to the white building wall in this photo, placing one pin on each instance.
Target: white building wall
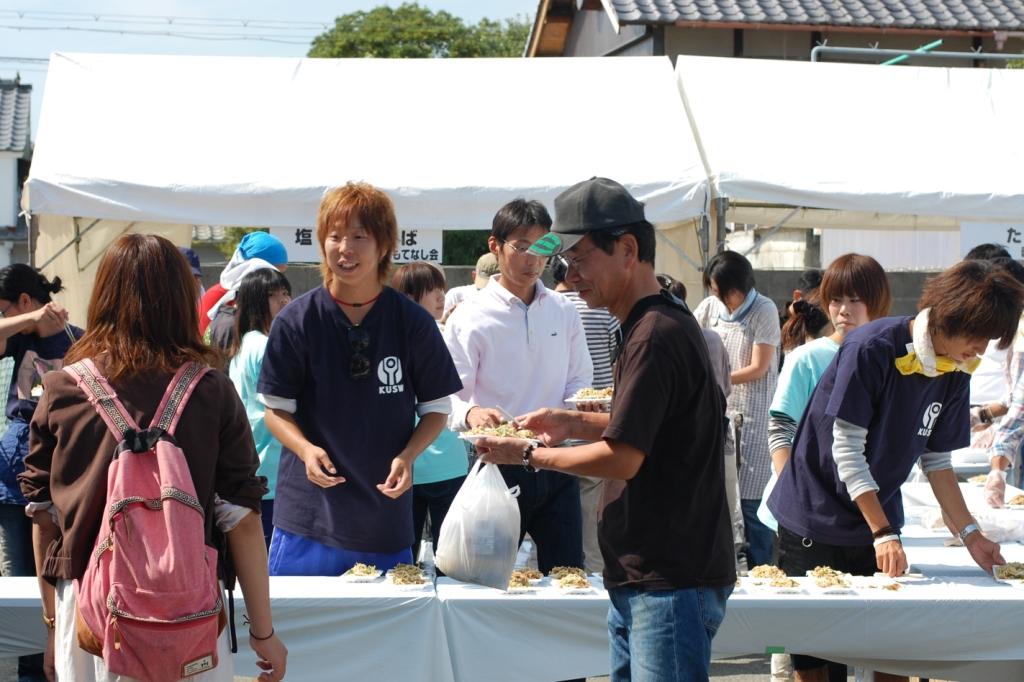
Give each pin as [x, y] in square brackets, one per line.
[894, 249]
[8, 190]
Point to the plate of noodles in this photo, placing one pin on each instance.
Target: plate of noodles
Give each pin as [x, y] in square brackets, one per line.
[503, 430]
[591, 396]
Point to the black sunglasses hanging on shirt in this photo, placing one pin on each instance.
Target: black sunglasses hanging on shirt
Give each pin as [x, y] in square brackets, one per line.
[359, 346]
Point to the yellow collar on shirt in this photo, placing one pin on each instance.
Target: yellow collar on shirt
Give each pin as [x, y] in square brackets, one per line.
[911, 364]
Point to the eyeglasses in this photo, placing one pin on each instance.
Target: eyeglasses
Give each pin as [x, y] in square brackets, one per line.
[574, 261]
[577, 261]
[358, 344]
[522, 250]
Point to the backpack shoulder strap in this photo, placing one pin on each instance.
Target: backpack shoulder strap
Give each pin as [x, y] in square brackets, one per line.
[177, 395]
[102, 397]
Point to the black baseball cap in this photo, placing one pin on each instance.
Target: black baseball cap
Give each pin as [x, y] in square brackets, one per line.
[588, 206]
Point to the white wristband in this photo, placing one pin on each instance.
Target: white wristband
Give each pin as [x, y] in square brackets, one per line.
[885, 538]
[967, 530]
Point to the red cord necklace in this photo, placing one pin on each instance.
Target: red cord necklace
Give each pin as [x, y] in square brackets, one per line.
[357, 305]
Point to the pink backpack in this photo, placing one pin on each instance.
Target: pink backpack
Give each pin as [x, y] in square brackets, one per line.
[149, 602]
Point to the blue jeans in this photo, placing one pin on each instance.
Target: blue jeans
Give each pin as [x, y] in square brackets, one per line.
[664, 635]
[16, 557]
[760, 537]
[292, 554]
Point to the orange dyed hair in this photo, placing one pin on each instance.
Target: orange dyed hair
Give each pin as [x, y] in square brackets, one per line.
[375, 211]
[142, 314]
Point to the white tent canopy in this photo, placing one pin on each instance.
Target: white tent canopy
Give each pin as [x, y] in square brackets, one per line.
[254, 142]
[899, 147]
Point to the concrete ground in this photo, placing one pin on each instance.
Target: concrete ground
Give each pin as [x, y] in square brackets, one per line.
[754, 669]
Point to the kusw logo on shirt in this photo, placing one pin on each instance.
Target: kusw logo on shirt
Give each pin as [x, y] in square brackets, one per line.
[931, 413]
[389, 371]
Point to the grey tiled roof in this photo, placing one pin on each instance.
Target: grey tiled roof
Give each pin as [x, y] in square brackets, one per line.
[15, 104]
[964, 15]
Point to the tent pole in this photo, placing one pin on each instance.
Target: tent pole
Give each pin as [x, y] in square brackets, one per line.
[679, 252]
[771, 233]
[721, 208]
[77, 239]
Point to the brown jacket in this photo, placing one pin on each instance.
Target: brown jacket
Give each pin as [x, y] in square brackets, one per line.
[70, 449]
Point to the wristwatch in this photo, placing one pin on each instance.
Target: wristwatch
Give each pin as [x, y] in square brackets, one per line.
[527, 453]
[968, 529]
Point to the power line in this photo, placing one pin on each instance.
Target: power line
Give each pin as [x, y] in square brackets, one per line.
[43, 15]
[267, 38]
[29, 60]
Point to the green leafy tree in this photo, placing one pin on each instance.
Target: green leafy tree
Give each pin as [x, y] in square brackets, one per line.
[463, 247]
[412, 31]
[232, 236]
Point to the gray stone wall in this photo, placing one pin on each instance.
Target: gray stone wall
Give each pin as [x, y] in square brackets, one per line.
[906, 287]
[776, 284]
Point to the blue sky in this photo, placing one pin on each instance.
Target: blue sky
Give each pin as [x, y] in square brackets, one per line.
[53, 17]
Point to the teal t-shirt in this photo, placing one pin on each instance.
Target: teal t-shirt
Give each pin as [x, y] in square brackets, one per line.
[800, 374]
[244, 371]
[804, 367]
[444, 459]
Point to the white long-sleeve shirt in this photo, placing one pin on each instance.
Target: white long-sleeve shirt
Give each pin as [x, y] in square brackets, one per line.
[514, 356]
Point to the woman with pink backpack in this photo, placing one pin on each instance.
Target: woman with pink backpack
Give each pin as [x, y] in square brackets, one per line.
[139, 457]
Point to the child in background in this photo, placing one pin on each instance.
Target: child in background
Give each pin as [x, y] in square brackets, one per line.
[440, 470]
[261, 296]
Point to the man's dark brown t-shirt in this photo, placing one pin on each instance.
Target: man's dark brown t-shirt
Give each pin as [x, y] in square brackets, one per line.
[668, 527]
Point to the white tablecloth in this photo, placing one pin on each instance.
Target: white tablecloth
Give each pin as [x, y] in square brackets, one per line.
[960, 624]
[333, 630]
[540, 636]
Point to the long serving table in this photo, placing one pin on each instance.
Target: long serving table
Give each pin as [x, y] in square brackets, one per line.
[957, 623]
[540, 635]
[333, 630]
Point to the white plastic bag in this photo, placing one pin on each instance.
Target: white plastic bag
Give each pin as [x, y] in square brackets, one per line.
[480, 534]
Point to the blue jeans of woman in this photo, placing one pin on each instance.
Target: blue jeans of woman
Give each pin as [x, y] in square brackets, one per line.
[664, 635]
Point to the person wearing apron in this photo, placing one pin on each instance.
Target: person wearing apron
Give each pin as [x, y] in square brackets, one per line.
[748, 324]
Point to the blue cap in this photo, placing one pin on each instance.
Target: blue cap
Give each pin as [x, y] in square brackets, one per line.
[193, 260]
[265, 246]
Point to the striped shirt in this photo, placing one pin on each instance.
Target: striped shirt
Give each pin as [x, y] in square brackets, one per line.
[602, 332]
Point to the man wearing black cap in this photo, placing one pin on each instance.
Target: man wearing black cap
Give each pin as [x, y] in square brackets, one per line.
[664, 530]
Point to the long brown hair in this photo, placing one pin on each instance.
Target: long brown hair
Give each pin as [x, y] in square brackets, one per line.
[142, 314]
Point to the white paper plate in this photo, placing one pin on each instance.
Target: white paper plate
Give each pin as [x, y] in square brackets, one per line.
[425, 584]
[605, 403]
[834, 590]
[520, 590]
[576, 590]
[474, 437]
[350, 578]
[882, 583]
[768, 589]
[763, 586]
